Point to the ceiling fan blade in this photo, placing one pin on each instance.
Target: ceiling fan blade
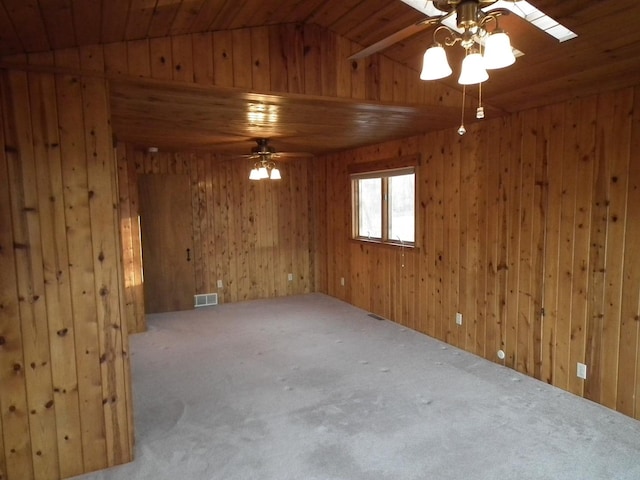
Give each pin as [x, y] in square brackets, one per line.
[293, 154]
[394, 38]
[264, 150]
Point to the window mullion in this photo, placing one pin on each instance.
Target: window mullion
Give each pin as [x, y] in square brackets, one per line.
[385, 209]
[355, 205]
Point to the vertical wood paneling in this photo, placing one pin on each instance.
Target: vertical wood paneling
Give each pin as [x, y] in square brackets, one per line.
[182, 56]
[78, 223]
[282, 58]
[615, 136]
[470, 202]
[584, 152]
[161, 58]
[484, 224]
[3, 460]
[13, 396]
[52, 399]
[248, 234]
[597, 262]
[540, 212]
[332, 72]
[554, 131]
[56, 271]
[502, 258]
[223, 58]
[115, 59]
[203, 55]
[526, 213]
[514, 227]
[628, 401]
[106, 264]
[313, 61]
[437, 171]
[126, 231]
[242, 69]
[211, 234]
[30, 281]
[260, 59]
[451, 250]
[139, 58]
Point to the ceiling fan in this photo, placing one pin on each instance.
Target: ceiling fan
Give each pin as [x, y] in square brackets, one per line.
[456, 14]
[461, 16]
[474, 25]
[264, 165]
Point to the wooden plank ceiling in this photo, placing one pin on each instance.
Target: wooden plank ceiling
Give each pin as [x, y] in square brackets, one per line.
[299, 124]
[606, 54]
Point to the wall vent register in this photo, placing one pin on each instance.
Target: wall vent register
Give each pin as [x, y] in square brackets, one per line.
[205, 299]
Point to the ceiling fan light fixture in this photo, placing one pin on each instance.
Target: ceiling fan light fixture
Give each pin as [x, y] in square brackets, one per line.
[473, 70]
[275, 174]
[254, 174]
[264, 166]
[435, 64]
[497, 51]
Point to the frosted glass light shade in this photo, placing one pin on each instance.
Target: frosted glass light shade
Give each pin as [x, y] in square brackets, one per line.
[275, 174]
[262, 171]
[435, 64]
[497, 51]
[473, 70]
[254, 175]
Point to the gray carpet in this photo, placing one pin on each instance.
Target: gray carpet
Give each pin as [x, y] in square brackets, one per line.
[309, 387]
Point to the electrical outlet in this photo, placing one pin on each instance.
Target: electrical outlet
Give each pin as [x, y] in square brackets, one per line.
[458, 318]
[220, 284]
[581, 371]
[290, 277]
[342, 281]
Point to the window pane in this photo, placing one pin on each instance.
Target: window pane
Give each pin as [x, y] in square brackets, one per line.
[370, 208]
[402, 208]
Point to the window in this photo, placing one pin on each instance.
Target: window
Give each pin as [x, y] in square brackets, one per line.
[384, 206]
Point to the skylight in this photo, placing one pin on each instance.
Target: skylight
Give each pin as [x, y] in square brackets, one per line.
[537, 18]
[522, 8]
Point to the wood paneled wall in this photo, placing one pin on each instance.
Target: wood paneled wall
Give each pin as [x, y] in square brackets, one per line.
[290, 58]
[65, 405]
[536, 210]
[64, 402]
[248, 234]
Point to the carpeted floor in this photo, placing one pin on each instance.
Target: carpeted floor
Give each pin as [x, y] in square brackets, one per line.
[311, 388]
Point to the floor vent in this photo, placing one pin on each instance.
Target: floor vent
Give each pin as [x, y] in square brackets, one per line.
[377, 317]
[205, 299]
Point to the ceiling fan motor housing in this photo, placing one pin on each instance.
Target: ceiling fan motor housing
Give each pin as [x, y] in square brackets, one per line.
[263, 147]
[467, 15]
[448, 5]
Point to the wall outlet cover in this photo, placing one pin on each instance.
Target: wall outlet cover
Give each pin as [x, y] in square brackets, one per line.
[581, 371]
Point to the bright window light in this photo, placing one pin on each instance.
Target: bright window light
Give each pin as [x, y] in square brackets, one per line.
[536, 17]
[424, 6]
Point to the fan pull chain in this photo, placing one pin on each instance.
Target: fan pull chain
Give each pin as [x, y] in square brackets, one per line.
[462, 130]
